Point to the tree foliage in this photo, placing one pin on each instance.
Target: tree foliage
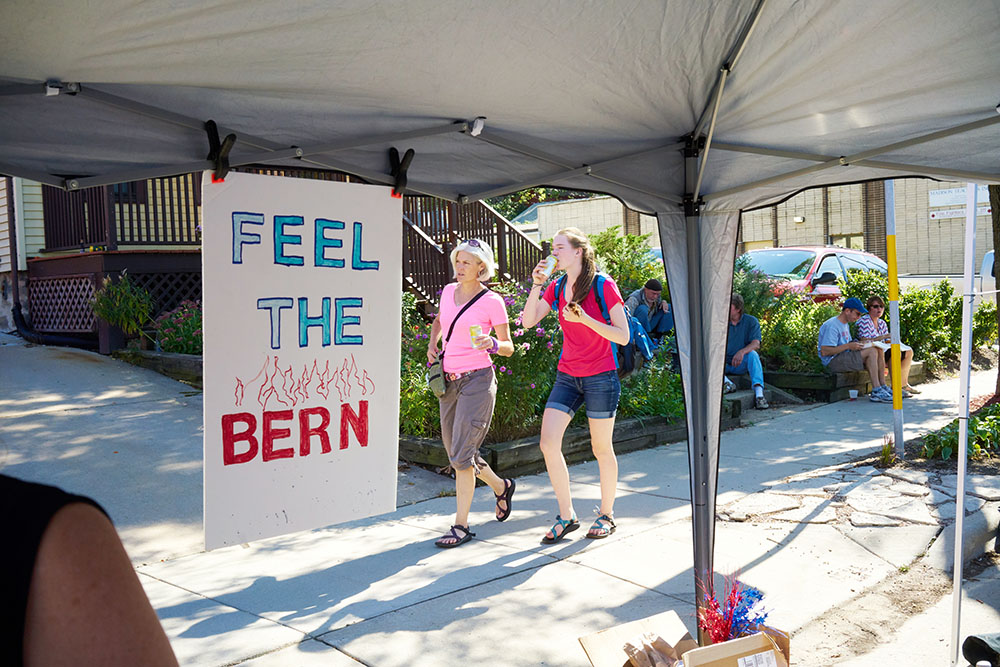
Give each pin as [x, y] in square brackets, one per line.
[510, 206]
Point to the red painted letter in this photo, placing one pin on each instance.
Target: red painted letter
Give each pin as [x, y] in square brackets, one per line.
[358, 422]
[230, 438]
[271, 434]
[306, 432]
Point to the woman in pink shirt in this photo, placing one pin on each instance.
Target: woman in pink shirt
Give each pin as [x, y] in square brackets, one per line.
[587, 373]
[470, 311]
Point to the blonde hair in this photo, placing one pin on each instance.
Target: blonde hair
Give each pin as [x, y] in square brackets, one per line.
[588, 269]
[481, 251]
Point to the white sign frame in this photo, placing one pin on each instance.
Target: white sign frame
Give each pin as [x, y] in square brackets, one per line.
[302, 290]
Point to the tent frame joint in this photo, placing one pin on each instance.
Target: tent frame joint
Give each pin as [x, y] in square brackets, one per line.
[692, 206]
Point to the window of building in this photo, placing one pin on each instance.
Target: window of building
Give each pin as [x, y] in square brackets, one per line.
[852, 241]
[133, 192]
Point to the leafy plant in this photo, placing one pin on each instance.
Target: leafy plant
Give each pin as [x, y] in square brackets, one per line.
[628, 259]
[509, 206]
[790, 331]
[887, 455]
[983, 436]
[179, 330]
[124, 304]
[755, 286]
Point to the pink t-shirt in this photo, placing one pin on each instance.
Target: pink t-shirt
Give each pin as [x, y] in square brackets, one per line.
[584, 351]
[488, 312]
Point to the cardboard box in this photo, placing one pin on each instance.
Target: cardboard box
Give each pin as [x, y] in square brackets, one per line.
[757, 650]
[606, 648]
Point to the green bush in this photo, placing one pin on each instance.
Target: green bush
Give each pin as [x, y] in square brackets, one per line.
[790, 332]
[179, 330]
[524, 380]
[123, 304]
[628, 260]
[984, 436]
[756, 288]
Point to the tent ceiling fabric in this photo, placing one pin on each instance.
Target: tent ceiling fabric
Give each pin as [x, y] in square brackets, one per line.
[583, 82]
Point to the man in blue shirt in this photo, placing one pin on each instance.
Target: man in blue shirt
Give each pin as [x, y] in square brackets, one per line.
[840, 354]
[741, 349]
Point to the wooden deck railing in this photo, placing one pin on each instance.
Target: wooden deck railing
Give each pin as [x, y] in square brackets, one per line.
[446, 224]
[167, 212]
[425, 263]
[162, 211]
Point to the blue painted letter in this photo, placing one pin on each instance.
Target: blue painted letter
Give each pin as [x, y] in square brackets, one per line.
[275, 304]
[357, 263]
[346, 320]
[281, 238]
[305, 321]
[240, 237]
[322, 243]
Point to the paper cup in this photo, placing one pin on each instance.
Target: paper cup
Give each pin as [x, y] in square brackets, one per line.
[853, 393]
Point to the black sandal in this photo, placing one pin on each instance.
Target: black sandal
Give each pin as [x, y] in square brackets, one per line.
[453, 535]
[507, 494]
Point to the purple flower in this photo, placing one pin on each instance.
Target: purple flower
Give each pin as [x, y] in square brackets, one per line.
[549, 345]
[532, 385]
[503, 369]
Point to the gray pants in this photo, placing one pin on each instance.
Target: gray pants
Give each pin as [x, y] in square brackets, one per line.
[848, 360]
[466, 412]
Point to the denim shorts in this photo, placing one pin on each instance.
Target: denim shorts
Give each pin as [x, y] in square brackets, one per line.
[600, 392]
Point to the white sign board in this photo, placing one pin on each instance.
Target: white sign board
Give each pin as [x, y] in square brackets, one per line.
[957, 212]
[302, 286]
[955, 197]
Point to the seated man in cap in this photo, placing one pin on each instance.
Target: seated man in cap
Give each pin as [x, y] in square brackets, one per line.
[741, 349]
[652, 312]
[840, 354]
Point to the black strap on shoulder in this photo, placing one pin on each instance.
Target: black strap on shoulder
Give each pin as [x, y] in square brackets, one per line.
[468, 303]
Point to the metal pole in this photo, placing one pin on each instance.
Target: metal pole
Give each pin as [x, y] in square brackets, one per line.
[702, 510]
[897, 378]
[968, 292]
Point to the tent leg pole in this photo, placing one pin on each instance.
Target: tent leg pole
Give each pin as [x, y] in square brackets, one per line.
[897, 378]
[968, 290]
[703, 508]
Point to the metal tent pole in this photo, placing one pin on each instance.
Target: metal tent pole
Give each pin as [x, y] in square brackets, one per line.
[897, 378]
[968, 292]
[702, 506]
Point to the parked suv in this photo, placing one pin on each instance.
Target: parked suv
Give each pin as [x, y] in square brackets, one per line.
[813, 269]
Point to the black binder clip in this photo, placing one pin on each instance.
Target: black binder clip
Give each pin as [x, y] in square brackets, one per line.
[398, 170]
[218, 152]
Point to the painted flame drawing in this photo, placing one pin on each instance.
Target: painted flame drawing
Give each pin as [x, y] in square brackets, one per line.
[281, 384]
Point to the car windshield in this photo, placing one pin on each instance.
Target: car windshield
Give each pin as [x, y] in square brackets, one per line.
[783, 264]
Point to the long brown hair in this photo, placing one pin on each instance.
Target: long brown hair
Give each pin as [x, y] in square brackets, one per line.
[588, 268]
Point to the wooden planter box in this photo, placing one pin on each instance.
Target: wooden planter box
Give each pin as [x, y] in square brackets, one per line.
[524, 457]
[831, 386]
[183, 367]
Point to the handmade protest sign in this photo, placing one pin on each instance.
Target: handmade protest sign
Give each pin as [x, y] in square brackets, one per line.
[301, 360]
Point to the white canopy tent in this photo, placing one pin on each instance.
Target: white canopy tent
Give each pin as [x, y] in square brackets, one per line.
[688, 110]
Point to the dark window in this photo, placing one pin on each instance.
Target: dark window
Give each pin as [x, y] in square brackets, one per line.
[133, 192]
[830, 264]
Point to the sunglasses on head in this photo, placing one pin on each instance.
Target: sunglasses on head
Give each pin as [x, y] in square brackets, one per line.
[474, 243]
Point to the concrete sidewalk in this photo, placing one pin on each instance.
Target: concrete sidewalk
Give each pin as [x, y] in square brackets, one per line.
[796, 520]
